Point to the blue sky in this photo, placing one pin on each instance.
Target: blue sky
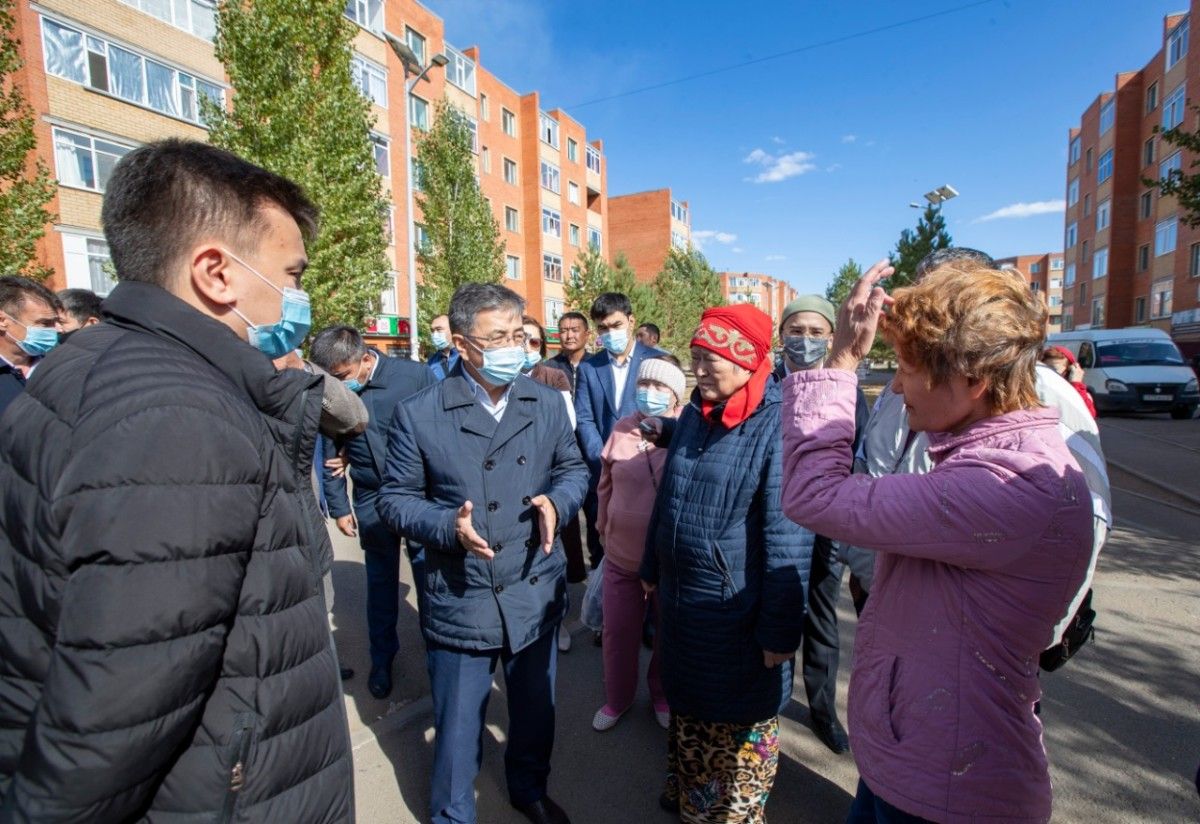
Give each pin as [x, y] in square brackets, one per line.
[793, 165]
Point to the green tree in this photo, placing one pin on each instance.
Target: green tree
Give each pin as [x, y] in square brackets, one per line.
[914, 245]
[686, 286]
[25, 188]
[843, 281]
[592, 275]
[1185, 187]
[463, 244]
[297, 113]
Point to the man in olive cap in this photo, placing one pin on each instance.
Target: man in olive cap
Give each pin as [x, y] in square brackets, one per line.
[805, 332]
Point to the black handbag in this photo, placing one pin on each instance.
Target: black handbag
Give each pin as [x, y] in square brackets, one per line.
[1079, 631]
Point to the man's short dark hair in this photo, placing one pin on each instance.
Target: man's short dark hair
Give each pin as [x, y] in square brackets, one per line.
[15, 290]
[165, 196]
[579, 316]
[336, 346]
[951, 254]
[652, 329]
[472, 298]
[81, 304]
[610, 302]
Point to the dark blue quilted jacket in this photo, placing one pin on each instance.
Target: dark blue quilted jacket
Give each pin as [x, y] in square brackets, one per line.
[732, 570]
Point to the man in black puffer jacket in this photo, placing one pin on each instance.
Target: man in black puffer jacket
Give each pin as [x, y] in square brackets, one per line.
[164, 651]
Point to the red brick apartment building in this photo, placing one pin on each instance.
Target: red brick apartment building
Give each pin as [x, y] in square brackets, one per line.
[1130, 259]
[645, 226]
[1044, 274]
[767, 293]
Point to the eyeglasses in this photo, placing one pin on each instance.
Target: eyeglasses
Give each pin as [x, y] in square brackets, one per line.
[499, 341]
[535, 342]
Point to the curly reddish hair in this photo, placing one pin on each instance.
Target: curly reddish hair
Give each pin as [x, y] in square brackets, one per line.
[968, 319]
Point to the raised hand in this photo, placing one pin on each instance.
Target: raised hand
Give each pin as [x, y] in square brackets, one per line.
[468, 538]
[858, 319]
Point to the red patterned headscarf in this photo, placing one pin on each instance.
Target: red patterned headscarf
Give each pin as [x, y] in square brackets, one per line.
[741, 334]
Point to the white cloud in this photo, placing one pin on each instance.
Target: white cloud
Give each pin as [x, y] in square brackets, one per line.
[849, 138]
[1017, 211]
[703, 236]
[833, 168]
[737, 250]
[776, 257]
[777, 168]
[778, 141]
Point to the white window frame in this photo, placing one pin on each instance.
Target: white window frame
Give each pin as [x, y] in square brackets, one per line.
[1108, 115]
[1069, 276]
[512, 219]
[1103, 214]
[84, 255]
[512, 267]
[1161, 301]
[415, 41]
[679, 211]
[1100, 263]
[573, 195]
[573, 235]
[551, 222]
[554, 308]
[572, 150]
[420, 237]
[548, 129]
[1177, 44]
[508, 122]
[460, 70]
[1072, 235]
[196, 17]
[1166, 236]
[595, 238]
[1152, 97]
[551, 177]
[70, 140]
[1073, 192]
[1074, 150]
[552, 264]
[1170, 165]
[370, 78]
[1173, 107]
[1098, 312]
[368, 14]
[381, 148]
[484, 109]
[1101, 165]
[485, 160]
[593, 159]
[421, 123]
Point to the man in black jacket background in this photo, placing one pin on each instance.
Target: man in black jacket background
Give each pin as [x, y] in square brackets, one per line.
[164, 648]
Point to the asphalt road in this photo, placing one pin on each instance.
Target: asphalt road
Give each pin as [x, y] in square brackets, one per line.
[1122, 719]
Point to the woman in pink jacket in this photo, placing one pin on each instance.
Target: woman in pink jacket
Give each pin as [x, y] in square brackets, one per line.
[976, 560]
[630, 473]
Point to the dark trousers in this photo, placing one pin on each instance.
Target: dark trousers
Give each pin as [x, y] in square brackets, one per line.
[572, 538]
[869, 808]
[820, 649]
[462, 682]
[381, 557]
[591, 504]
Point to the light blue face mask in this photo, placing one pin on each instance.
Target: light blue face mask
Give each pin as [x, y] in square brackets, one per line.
[615, 341]
[532, 359]
[805, 352]
[295, 319]
[354, 384]
[439, 340]
[501, 366]
[39, 340]
[652, 402]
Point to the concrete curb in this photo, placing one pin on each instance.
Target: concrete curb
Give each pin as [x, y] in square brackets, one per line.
[1155, 482]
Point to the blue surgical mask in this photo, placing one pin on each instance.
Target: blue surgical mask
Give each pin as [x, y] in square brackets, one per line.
[295, 319]
[532, 359]
[805, 352]
[354, 384]
[439, 339]
[501, 366]
[615, 341]
[39, 340]
[653, 402]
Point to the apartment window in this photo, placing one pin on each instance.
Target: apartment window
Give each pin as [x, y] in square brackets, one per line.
[87, 262]
[680, 212]
[199, 17]
[1194, 261]
[510, 171]
[483, 107]
[1073, 151]
[508, 122]
[593, 159]
[418, 176]
[548, 130]
[1172, 166]
[473, 127]
[383, 162]
[551, 180]
[594, 238]
[1100, 264]
[551, 222]
[573, 235]
[1072, 234]
[1148, 152]
[1103, 214]
[1087, 205]
[572, 151]
[1083, 252]
[1165, 236]
[388, 215]
[460, 70]
[1055, 283]
[512, 219]
[1173, 107]
[552, 268]
[512, 267]
[1152, 98]
[1098, 311]
[1054, 301]
[1089, 159]
[1072, 193]
[370, 78]
[1035, 268]
[1145, 204]
[678, 240]
[1177, 44]
[485, 160]
[85, 162]
[1104, 168]
[554, 312]
[573, 192]
[1161, 301]
[132, 77]
[415, 42]
[1139, 310]
[387, 298]
[420, 238]
[418, 113]
[1143, 257]
[1056, 265]
[1108, 115]
[366, 13]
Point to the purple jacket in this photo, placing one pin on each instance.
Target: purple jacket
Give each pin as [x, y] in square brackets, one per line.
[977, 560]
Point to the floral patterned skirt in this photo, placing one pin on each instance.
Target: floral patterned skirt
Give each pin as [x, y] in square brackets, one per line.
[721, 773]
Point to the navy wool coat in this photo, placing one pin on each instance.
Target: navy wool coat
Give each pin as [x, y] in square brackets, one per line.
[732, 570]
[444, 449]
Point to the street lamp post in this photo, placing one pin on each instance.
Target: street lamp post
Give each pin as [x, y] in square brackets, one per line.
[938, 196]
[412, 64]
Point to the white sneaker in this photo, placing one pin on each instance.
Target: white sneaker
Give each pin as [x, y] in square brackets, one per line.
[564, 638]
[602, 721]
[663, 717]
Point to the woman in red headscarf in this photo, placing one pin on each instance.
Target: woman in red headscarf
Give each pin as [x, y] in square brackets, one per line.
[731, 571]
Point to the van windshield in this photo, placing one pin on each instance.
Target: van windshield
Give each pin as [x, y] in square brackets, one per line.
[1138, 353]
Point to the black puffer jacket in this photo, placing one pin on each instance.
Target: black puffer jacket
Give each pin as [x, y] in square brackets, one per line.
[164, 646]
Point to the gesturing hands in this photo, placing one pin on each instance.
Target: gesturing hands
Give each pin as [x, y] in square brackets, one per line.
[547, 520]
[773, 659]
[858, 319]
[468, 538]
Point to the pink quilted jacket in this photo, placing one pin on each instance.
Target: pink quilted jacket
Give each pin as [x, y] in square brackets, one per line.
[977, 560]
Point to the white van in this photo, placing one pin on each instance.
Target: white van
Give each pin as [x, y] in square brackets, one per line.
[1133, 370]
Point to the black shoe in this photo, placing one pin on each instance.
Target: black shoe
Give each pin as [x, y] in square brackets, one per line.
[347, 673]
[832, 735]
[379, 682]
[597, 639]
[543, 811]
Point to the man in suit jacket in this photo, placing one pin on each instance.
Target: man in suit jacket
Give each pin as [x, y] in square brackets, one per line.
[606, 391]
[382, 383]
[481, 470]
